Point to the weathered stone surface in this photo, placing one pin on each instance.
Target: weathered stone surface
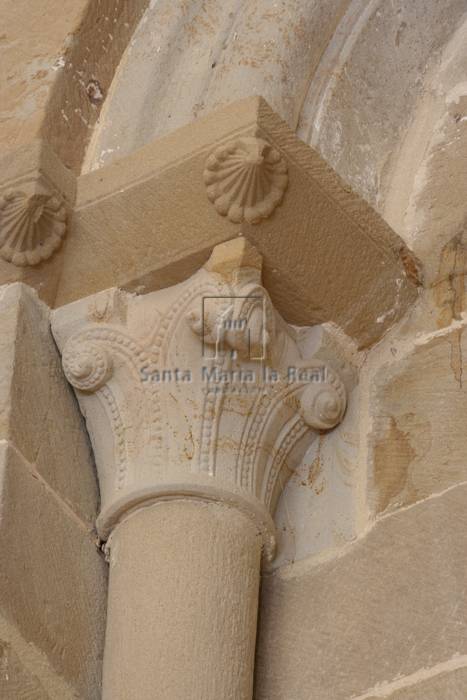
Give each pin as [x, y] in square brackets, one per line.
[59, 58]
[368, 86]
[52, 578]
[38, 412]
[445, 686]
[318, 509]
[27, 173]
[425, 198]
[88, 66]
[16, 682]
[183, 601]
[392, 603]
[25, 671]
[32, 41]
[215, 52]
[417, 407]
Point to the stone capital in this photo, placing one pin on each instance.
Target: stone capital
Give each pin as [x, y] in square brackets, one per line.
[200, 390]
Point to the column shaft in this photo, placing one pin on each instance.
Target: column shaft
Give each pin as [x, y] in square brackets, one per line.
[183, 599]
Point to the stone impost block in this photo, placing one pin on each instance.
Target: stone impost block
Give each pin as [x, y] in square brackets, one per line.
[150, 219]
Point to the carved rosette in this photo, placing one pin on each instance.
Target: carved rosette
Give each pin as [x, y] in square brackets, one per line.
[199, 399]
[246, 179]
[32, 226]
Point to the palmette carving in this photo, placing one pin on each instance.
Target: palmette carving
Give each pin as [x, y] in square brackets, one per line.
[246, 179]
[191, 395]
[32, 226]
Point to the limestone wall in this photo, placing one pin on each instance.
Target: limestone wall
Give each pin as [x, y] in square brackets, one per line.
[52, 576]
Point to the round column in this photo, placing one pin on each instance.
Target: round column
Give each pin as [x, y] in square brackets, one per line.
[183, 600]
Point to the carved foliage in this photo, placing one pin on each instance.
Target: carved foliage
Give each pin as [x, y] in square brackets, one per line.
[244, 432]
[246, 179]
[31, 226]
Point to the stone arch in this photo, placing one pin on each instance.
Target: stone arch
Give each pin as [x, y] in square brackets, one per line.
[86, 72]
[372, 78]
[187, 58]
[426, 183]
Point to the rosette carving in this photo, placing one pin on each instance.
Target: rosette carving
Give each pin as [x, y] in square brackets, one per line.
[31, 226]
[246, 179]
[323, 404]
[87, 366]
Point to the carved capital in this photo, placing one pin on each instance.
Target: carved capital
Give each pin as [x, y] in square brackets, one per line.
[200, 390]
